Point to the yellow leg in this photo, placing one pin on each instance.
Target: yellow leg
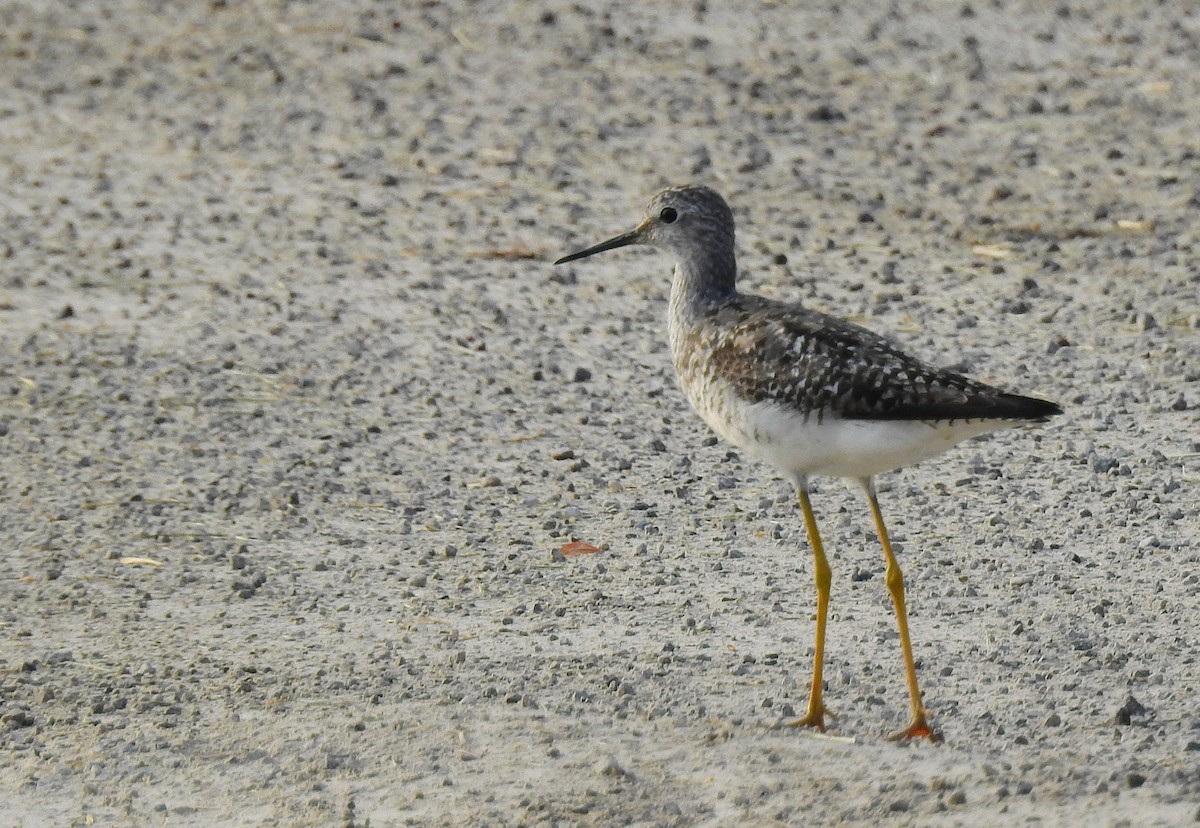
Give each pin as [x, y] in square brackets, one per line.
[815, 717]
[919, 726]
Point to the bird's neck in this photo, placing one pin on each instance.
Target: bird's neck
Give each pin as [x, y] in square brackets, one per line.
[700, 282]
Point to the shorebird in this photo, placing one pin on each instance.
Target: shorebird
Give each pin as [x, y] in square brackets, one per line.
[808, 393]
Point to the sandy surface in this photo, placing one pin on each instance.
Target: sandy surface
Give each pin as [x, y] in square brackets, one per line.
[295, 414]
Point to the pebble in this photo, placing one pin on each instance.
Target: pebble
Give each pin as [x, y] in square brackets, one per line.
[1127, 711]
[609, 766]
[1103, 465]
[17, 719]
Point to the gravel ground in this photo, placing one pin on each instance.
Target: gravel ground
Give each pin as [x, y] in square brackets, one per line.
[296, 414]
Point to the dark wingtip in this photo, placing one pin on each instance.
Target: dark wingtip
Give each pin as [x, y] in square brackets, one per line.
[987, 406]
[1016, 407]
[1031, 408]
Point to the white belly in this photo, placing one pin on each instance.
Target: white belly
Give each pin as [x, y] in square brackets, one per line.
[834, 447]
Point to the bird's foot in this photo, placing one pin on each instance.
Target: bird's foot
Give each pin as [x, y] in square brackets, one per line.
[918, 728]
[814, 718]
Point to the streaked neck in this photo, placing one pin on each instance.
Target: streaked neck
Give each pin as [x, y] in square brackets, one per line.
[701, 281]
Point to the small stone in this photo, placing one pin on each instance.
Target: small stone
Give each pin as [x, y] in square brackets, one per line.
[826, 113]
[1135, 780]
[1180, 403]
[1103, 465]
[17, 719]
[1131, 708]
[582, 375]
[610, 767]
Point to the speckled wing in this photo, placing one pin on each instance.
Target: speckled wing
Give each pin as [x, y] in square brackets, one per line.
[823, 366]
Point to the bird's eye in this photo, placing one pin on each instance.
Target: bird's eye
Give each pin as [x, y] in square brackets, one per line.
[668, 215]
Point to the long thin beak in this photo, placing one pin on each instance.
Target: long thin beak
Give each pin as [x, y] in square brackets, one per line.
[635, 236]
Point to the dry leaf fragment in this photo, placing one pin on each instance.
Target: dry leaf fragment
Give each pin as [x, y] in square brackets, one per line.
[512, 254]
[574, 549]
[1135, 225]
[991, 251]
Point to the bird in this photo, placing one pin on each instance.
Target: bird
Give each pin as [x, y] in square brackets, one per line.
[810, 394]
